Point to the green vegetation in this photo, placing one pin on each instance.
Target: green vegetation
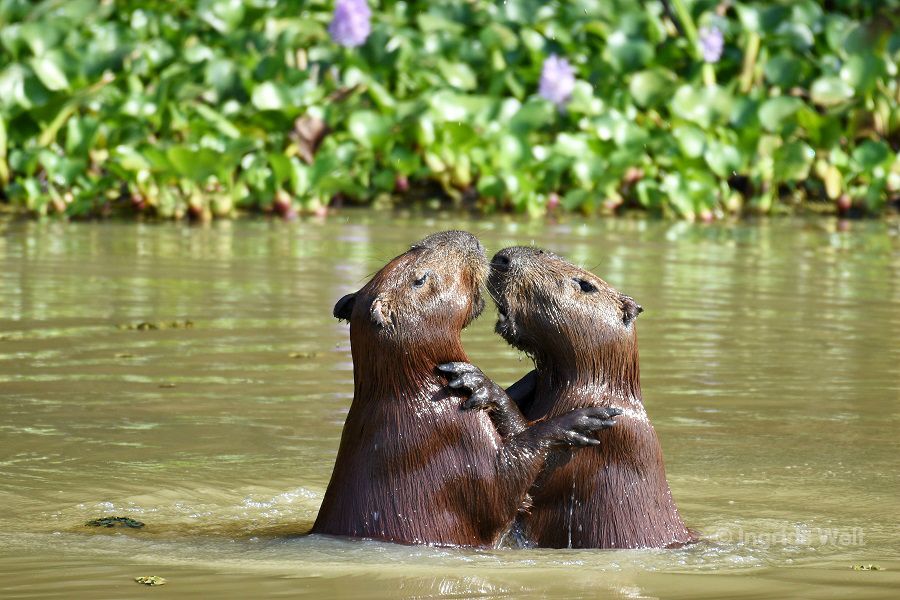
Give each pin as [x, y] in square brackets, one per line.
[205, 108]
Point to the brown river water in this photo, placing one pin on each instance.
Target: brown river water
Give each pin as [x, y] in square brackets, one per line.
[769, 355]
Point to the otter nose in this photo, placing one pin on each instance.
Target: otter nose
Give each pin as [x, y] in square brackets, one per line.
[501, 261]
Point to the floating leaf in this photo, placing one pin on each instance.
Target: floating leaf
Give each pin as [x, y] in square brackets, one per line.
[861, 72]
[869, 154]
[829, 91]
[270, 96]
[778, 114]
[223, 15]
[792, 161]
[691, 140]
[724, 159]
[704, 106]
[651, 87]
[627, 54]
[369, 128]
[50, 73]
[196, 163]
[457, 74]
[784, 70]
[151, 580]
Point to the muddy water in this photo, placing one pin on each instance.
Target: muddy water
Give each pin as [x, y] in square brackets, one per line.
[769, 355]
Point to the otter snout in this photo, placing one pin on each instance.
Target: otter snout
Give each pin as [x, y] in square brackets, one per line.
[510, 264]
[517, 256]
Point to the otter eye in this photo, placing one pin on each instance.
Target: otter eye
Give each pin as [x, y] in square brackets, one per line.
[420, 281]
[586, 286]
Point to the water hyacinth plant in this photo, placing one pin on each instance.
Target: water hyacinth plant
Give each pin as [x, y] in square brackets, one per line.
[209, 108]
[712, 42]
[557, 80]
[351, 25]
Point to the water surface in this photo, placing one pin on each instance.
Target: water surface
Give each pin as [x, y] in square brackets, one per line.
[769, 359]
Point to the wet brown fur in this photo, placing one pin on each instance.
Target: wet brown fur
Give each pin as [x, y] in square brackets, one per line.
[584, 345]
[413, 467]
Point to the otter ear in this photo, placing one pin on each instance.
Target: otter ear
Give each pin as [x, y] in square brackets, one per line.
[381, 312]
[630, 309]
[344, 307]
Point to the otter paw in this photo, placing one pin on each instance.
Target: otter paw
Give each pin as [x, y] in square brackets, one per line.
[468, 377]
[579, 427]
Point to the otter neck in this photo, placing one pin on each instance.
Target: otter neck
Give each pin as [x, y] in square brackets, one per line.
[608, 375]
[402, 371]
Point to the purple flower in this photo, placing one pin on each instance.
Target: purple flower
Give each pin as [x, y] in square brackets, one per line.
[557, 80]
[351, 24]
[711, 43]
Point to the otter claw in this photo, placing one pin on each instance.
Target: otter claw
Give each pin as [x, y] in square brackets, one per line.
[468, 377]
[469, 381]
[457, 368]
[578, 428]
[479, 399]
[583, 440]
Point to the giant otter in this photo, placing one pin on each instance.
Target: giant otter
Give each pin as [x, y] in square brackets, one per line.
[580, 332]
[417, 463]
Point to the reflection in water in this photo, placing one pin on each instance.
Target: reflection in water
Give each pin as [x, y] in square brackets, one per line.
[769, 360]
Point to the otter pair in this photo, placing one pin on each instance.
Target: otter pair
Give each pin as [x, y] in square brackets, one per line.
[418, 463]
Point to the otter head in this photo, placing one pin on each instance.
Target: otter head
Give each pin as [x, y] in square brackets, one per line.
[557, 312]
[422, 298]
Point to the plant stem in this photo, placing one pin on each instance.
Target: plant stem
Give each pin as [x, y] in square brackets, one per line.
[687, 24]
[709, 75]
[751, 52]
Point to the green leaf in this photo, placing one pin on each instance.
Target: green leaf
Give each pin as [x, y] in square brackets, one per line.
[875, 196]
[532, 39]
[433, 23]
[792, 161]
[676, 190]
[575, 199]
[223, 15]
[50, 73]
[446, 105]
[779, 114]
[859, 39]
[369, 128]
[651, 87]
[222, 74]
[41, 36]
[772, 18]
[725, 160]
[532, 115]
[573, 146]
[457, 74]
[270, 96]
[830, 91]
[869, 154]
[583, 101]
[691, 140]
[784, 71]
[281, 166]
[862, 72]
[198, 164]
[224, 126]
[627, 54]
[130, 159]
[703, 106]
[12, 86]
